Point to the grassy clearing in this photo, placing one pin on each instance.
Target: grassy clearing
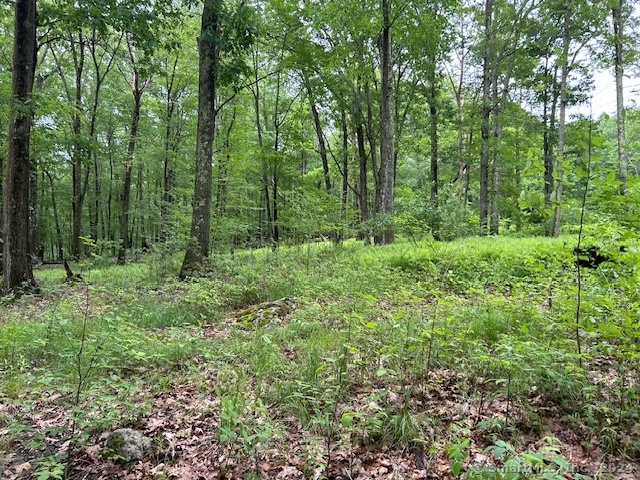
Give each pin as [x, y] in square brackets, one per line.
[454, 360]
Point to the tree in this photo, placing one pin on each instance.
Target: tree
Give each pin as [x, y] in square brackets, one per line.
[16, 261]
[138, 87]
[221, 32]
[384, 201]
[580, 22]
[209, 55]
[486, 116]
[564, 75]
[618, 65]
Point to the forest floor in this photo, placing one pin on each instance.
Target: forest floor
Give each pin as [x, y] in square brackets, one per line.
[436, 361]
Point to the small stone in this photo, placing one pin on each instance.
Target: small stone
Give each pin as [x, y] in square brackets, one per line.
[126, 445]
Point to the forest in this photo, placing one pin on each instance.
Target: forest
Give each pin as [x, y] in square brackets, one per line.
[320, 239]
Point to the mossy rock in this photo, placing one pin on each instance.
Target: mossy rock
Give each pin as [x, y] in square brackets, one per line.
[266, 312]
[126, 445]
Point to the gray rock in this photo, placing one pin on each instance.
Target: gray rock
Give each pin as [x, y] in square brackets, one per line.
[126, 445]
[266, 312]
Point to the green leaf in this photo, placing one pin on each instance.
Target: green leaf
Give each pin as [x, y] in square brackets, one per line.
[347, 420]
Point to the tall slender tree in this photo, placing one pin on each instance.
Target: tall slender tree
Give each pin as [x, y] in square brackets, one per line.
[618, 65]
[16, 261]
[385, 200]
[487, 62]
[209, 55]
[138, 86]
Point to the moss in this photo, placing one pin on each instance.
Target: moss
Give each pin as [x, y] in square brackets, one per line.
[266, 312]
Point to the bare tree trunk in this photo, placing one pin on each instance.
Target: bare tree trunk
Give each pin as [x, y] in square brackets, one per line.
[494, 223]
[546, 140]
[79, 187]
[494, 228]
[363, 193]
[457, 85]
[209, 52]
[223, 170]
[264, 214]
[107, 206]
[549, 140]
[345, 159]
[373, 149]
[56, 218]
[319, 132]
[486, 117]
[35, 247]
[623, 157]
[433, 137]
[16, 262]
[138, 90]
[168, 174]
[387, 150]
[566, 39]
[126, 192]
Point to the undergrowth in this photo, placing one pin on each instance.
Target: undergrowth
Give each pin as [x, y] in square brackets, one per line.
[460, 352]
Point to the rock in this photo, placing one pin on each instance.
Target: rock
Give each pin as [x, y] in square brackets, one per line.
[266, 312]
[126, 445]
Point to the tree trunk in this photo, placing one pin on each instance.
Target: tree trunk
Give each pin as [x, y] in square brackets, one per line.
[264, 212]
[126, 192]
[168, 174]
[208, 51]
[564, 75]
[345, 160]
[494, 224]
[56, 218]
[373, 149]
[363, 193]
[107, 206]
[546, 140]
[433, 137]
[16, 261]
[487, 66]
[138, 90]
[223, 170]
[387, 149]
[463, 167]
[79, 187]
[35, 246]
[623, 157]
[549, 139]
[319, 132]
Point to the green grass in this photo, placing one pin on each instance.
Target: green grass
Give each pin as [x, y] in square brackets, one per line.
[379, 335]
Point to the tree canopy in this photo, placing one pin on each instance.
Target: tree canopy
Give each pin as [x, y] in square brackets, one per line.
[330, 119]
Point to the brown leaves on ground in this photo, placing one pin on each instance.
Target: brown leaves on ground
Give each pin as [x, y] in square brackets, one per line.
[184, 423]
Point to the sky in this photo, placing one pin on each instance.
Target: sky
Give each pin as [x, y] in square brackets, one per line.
[604, 94]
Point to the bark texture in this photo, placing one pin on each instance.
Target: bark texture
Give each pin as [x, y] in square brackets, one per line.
[16, 261]
[384, 200]
[208, 50]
